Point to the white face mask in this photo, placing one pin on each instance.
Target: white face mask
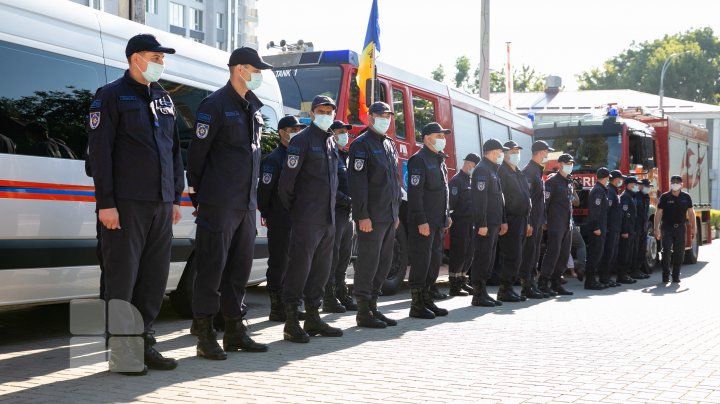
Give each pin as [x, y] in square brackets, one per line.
[439, 144]
[292, 134]
[323, 121]
[153, 71]
[514, 159]
[342, 139]
[676, 187]
[255, 80]
[646, 191]
[381, 125]
[500, 158]
[567, 168]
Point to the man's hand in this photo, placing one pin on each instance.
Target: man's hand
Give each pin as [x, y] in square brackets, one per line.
[545, 226]
[529, 231]
[625, 235]
[397, 223]
[597, 232]
[449, 223]
[110, 218]
[657, 234]
[503, 229]
[483, 231]
[176, 214]
[424, 229]
[365, 225]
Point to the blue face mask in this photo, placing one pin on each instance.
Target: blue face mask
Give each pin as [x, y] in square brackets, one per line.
[153, 71]
[514, 159]
[255, 80]
[323, 121]
[567, 168]
[381, 125]
[342, 139]
[646, 191]
[439, 144]
[500, 158]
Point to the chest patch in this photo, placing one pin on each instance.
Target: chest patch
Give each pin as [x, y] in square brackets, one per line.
[454, 190]
[625, 208]
[598, 201]
[547, 194]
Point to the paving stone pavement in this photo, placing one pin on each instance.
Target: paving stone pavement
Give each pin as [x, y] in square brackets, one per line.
[635, 344]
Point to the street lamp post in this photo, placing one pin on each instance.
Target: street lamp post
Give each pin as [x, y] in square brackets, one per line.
[662, 79]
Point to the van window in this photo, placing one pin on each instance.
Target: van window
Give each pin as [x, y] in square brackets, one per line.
[399, 109]
[44, 100]
[186, 100]
[423, 113]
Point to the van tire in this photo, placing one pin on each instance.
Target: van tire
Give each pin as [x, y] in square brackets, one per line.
[181, 297]
[398, 268]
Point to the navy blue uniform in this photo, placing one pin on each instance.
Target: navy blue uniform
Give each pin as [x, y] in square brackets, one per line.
[558, 200]
[134, 154]
[488, 211]
[673, 230]
[614, 226]
[597, 220]
[427, 204]
[627, 246]
[223, 167]
[375, 189]
[342, 249]
[276, 217]
[307, 188]
[537, 218]
[462, 230]
[517, 212]
[641, 224]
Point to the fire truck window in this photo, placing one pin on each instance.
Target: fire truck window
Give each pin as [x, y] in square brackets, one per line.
[642, 153]
[466, 134]
[353, 105]
[491, 129]
[590, 152]
[423, 113]
[399, 109]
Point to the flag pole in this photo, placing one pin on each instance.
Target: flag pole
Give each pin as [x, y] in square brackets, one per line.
[374, 72]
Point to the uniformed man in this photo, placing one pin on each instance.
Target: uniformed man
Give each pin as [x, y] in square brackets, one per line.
[558, 200]
[276, 216]
[337, 299]
[308, 186]
[640, 267]
[534, 171]
[674, 213]
[628, 237]
[222, 173]
[517, 212]
[134, 153]
[428, 219]
[375, 189]
[597, 226]
[614, 226]
[462, 231]
[489, 219]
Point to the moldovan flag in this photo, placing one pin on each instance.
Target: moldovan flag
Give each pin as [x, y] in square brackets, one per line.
[366, 67]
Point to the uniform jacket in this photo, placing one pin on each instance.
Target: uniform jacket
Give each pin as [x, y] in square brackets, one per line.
[534, 176]
[427, 189]
[269, 204]
[487, 195]
[614, 220]
[558, 200]
[643, 210]
[343, 201]
[515, 190]
[460, 197]
[134, 147]
[628, 201]
[597, 208]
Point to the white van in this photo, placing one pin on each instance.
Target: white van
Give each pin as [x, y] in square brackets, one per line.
[55, 54]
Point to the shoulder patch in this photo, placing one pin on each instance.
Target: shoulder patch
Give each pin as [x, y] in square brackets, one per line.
[202, 130]
[414, 179]
[359, 164]
[267, 177]
[598, 201]
[203, 117]
[481, 185]
[293, 160]
[94, 120]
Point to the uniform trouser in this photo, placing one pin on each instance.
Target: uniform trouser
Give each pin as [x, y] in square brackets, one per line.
[557, 252]
[374, 258]
[342, 248]
[595, 254]
[485, 252]
[511, 244]
[626, 252]
[278, 245]
[311, 251]
[673, 245]
[425, 256]
[224, 250]
[98, 252]
[641, 240]
[531, 253]
[136, 260]
[461, 246]
[610, 253]
[581, 250]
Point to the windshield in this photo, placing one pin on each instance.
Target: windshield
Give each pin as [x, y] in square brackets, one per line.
[300, 85]
[590, 151]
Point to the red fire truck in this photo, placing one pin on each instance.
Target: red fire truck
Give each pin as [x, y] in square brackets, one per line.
[641, 144]
[415, 100]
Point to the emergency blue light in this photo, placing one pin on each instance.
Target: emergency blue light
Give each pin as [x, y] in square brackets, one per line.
[531, 117]
[613, 111]
[339, 56]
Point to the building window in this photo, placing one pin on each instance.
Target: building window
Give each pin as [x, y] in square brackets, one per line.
[151, 6]
[196, 19]
[177, 15]
[220, 45]
[96, 4]
[219, 20]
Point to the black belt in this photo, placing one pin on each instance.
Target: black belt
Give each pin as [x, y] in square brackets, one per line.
[674, 225]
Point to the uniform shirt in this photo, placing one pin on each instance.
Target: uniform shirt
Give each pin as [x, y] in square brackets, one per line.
[614, 218]
[534, 176]
[133, 145]
[343, 202]
[487, 196]
[427, 189]
[515, 190]
[460, 197]
[674, 207]
[309, 181]
[224, 156]
[597, 208]
[558, 199]
[269, 204]
[374, 178]
[642, 202]
[628, 202]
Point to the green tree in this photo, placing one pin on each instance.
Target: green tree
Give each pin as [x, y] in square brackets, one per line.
[692, 76]
[462, 72]
[439, 73]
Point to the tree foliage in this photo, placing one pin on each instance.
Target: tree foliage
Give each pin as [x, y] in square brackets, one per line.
[462, 72]
[439, 73]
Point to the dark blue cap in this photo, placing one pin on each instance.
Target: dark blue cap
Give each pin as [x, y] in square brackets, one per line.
[145, 43]
[630, 180]
[493, 144]
[602, 172]
[340, 125]
[323, 100]
[379, 107]
[645, 182]
[290, 121]
[615, 174]
[247, 56]
[565, 158]
[434, 127]
[472, 157]
[511, 144]
[539, 145]
[676, 178]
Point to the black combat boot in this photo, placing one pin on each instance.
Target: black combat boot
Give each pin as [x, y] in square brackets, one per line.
[637, 274]
[153, 358]
[314, 325]
[330, 302]
[676, 274]
[417, 305]
[430, 305]
[464, 285]
[528, 291]
[480, 296]
[341, 291]
[236, 338]
[376, 313]
[505, 293]
[365, 317]
[277, 312]
[456, 287]
[292, 331]
[207, 346]
[592, 284]
[544, 286]
[557, 286]
[580, 272]
[536, 288]
[436, 294]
